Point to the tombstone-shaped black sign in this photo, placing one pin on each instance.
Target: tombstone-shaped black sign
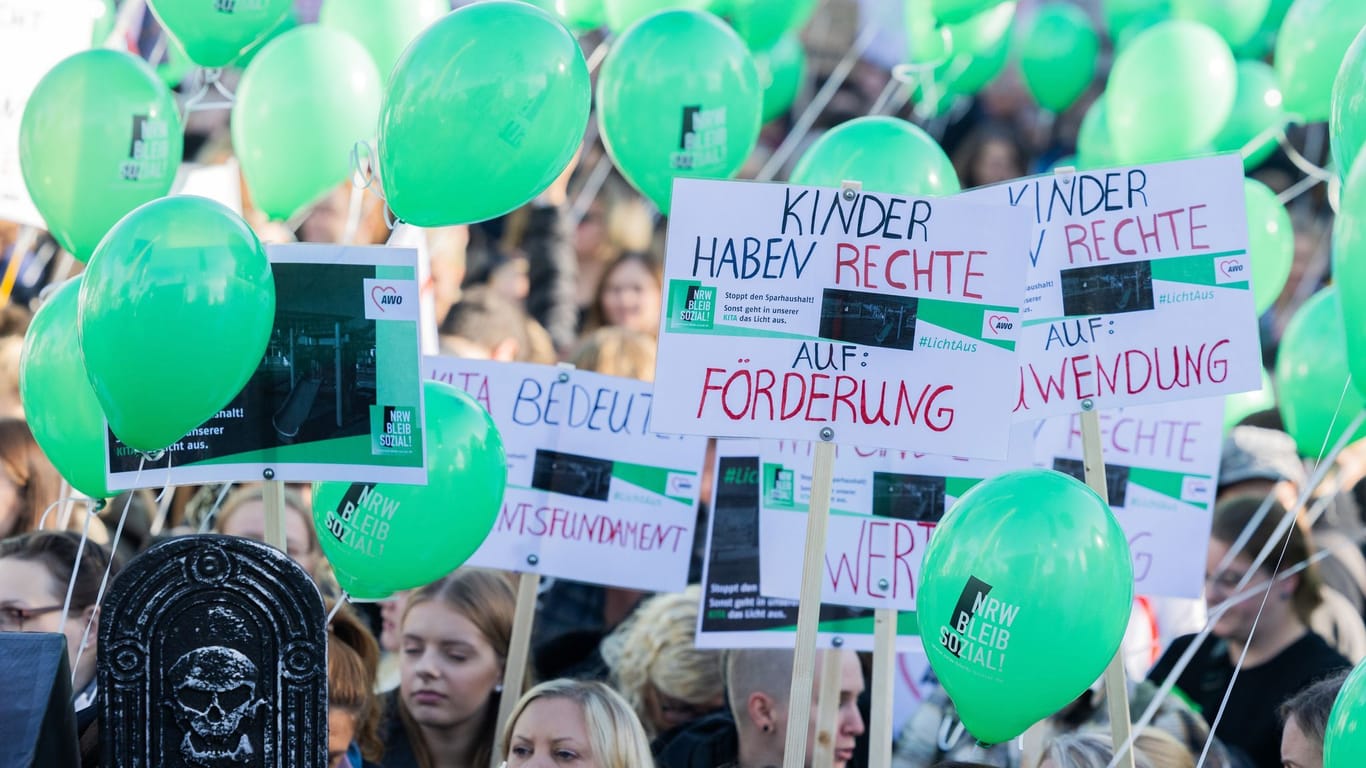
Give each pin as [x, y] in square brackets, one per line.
[213, 654]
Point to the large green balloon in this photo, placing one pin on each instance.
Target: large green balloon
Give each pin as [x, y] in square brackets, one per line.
[760, 23]
[1310, 47]
[1020, 562]
[302, 105]
[1264, 40]
[1170, 92]
[1344, 740]
[1270, 243]
[1240, 405]
[1349, 268]
[215, 33]
[1235, 20]
[621, 14]
[1312, 369]
[1347, 123]
[99, 136]
[956, 11]
[1095, 148]
[782, 70]
[981, 46]
[59, 404]
[885, 154]
[928, 39]
[483, 111]
[384, 27]
[1256, 110]
[582, 15]
[678, 95]
[1126, 18]
[176, 308]
[383, 538]
[1058, 55]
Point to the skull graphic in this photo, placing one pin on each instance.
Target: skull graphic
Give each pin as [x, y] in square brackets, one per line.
[215, 695]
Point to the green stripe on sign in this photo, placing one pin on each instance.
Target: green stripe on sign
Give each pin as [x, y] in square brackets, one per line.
[962, 318]
[957, 486]
[653, 479]
[1197, 269]
[907, 623]
[1163, 482]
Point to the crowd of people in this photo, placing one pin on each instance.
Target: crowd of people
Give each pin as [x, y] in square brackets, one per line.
[576, 276]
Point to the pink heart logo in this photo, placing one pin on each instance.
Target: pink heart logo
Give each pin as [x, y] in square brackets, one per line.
[993, 320]
[1228, 266]
[377, 291]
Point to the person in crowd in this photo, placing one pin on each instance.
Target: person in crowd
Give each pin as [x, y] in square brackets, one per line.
[455, 636]
[570, 722]
[618, 351]
[390, 641]
[485, 325]
[630, 294]
[36, 571]
[354, 711]
[1306, 719]
[29, 484]
[244, 514]
[616, 220]
[751, 734]
[1093, 748]
[988, 154]
[656, 667]
[1280, 657]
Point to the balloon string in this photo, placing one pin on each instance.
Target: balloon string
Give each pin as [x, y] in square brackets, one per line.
[343, 600]
[75, 569]
[200, 102]
[885, 98]
[591, 187]
[1298, 188]
[599, 53]
[104, 581]
[123, 22]
[207, 523]
[1255, 143]
[1300, 161]
[808, 117]
[42, 520]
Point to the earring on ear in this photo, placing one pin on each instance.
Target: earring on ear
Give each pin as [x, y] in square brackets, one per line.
[498, 688]
[765, 727]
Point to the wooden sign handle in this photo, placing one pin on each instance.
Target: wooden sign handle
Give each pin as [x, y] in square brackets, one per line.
[274, 497]
[884, 669]
[514, 673]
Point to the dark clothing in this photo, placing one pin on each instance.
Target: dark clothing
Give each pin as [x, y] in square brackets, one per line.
[553, 273]
[398, 749]
[1250, 723]
[710, 742]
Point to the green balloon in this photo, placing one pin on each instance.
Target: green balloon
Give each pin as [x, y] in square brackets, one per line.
[105, 16]
[980, 49]
[432, 529]
[621, 14]
[216, 33]
[1270, 243]
[384, 27]
[1095, 149]
[301, 106]
[1058, 55]
[678, 96]
[1312, 369]
[99, 136]
[483, 111]
[760, 23]
[1240, 405]
[955, 11]
[929, 41]
[1170, 92]
[782, 70]
[1349, 268]
[1344, 740]
[285, 25]
[582, 15]
[885, 154]
[1310, 47]
[176, 308]
[1021, 561]
[1256, 110]
[1264, 39]
[1126, 18]
[1347, 120]
[1235, 20]
[59, 404]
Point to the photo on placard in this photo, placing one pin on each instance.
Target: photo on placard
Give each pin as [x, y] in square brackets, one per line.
[581, 476]
[909, 497]
[1116, 478]
[1107, 289]
[875, 319]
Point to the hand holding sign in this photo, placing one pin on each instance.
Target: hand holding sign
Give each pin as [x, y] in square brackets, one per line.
[1025, 566]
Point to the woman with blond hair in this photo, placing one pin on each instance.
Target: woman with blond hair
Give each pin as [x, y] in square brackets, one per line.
[585, 724]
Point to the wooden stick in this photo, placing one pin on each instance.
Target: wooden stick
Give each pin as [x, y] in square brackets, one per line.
[1116, 686]
[274, 497]
[884, 668]
[514, 673]
[809, 608]
[827, 710]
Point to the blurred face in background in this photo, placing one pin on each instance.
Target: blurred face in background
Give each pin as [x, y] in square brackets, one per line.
[632, 297]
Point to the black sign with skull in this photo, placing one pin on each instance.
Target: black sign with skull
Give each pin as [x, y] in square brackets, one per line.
[213, 654]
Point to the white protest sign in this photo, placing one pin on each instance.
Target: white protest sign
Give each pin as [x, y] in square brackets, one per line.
[886, 320]
[34, 36]
[593, 494]
[1161, 466]
[1139, 286]
[884, 507]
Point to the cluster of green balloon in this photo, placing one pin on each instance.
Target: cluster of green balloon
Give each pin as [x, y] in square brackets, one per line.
[1058, 54]
[1264, 39]
[1022, 560]
[1095, 148]
[1240, 405]
[621, 14]
[582, 15]
[782, 70]
[1270, 243]
[1235, 20]
[99, 136]
[304, 102]
[1124, 19]
[383, 27]
[432, 528]
[956, 11]
[1311, 374]
[482, 112]
[175, 310]
[1349, 268]
[1310, 47]
[60, 406]
[884, 154]
[1347, 118]
[1257, 114]
[678, 74]
[218, 33]
[1170, 92]
[761, 23]
[977, 53]
[1344, 738]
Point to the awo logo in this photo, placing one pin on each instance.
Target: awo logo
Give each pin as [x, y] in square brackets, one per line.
[1231, 269]
[391, 300]
[999, 325]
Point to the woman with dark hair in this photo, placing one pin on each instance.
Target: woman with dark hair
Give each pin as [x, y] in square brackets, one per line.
[29, 484]
[36, 570]
[354, 712]
[629, 295]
